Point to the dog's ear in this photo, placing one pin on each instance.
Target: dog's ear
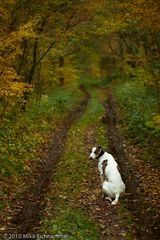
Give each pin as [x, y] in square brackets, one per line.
[89, 150]
[99, 147]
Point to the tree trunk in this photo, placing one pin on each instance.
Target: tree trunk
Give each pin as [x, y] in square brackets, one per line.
[61, 65]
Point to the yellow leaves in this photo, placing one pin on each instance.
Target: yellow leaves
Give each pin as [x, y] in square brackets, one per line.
[18, 88]
[25, 31]
[10, 88]
[10, 1]
[154, 123]
[95, 70]
[8, 74]
[146, 12]
[69, 73]
[2, 11]
[10, 48]
[10, 43]
[140, 1]
[93, 6]
[112, 26]
[111, 21]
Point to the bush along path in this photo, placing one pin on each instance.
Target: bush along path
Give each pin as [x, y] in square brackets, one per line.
[27, 208]
[142, 180]
[74, 205]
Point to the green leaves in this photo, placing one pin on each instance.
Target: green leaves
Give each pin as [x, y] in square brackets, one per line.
[154, 123]
[141, 120]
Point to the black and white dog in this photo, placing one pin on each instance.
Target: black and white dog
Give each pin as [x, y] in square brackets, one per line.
[112, 184]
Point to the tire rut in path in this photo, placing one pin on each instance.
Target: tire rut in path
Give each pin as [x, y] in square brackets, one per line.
[28, 214]
[137, 207]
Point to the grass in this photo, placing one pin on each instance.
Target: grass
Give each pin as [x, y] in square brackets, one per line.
[72, 171]
[73, 224]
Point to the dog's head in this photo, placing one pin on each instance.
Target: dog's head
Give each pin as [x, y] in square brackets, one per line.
[95, 152]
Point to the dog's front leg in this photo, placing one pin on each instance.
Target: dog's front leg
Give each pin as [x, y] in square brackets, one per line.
[102, 179]
[103, 194]
[100, 168]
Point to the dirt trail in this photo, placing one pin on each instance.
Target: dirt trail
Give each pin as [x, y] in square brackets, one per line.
[147, 226]
[28, 210]
[111, 220]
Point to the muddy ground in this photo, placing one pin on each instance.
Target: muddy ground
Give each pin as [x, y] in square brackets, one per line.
[111, 220]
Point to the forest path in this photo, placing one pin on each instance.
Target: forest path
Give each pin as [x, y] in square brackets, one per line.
[76, 188]
[137, 215]
[126, 220]
[28, 208]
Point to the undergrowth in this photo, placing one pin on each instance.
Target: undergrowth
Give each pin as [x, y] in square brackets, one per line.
[141, 120]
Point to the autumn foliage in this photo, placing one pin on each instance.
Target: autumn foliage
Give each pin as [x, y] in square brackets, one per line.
[53, 54]
[68, 43]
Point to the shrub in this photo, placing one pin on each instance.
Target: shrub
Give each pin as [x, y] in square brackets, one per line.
[140, 115]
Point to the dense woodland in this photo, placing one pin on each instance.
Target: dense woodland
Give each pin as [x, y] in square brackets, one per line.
[50, 48]
[46, 43]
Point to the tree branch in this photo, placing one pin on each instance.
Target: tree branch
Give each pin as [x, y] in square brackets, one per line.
[113, 50]
[45, 53]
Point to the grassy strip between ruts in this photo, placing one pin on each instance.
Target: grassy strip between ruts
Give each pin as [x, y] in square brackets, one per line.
[64, 214]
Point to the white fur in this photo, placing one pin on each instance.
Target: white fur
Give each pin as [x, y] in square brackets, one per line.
[113, 185]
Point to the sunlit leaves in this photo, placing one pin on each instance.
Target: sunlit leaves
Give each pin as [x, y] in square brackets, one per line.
[154, 123]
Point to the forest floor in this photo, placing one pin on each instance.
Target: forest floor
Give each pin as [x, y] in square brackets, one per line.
[64, 178]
